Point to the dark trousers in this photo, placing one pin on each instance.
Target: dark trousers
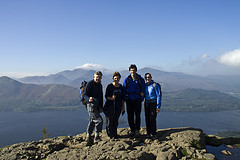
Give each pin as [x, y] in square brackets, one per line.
[150, 117]
[134, 108]
[112, 124]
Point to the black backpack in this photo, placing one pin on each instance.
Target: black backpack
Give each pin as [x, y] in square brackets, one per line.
[82, 91]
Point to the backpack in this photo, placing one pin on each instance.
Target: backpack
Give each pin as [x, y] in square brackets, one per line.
[154, 84]
[82, 91]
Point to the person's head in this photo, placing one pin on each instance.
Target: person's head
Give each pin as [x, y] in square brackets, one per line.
[97, 76]
[148, 77]
[133, 70]
[116, 77]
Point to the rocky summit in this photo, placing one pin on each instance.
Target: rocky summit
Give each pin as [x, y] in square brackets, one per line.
[171, 144]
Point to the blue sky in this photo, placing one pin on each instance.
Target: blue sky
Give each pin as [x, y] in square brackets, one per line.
[42, 37]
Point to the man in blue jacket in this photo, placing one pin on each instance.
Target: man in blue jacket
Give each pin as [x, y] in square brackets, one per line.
[133, 90]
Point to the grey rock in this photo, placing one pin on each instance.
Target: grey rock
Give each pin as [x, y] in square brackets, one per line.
[171, 144]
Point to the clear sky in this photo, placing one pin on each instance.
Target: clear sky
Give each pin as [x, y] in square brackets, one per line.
[40, 37]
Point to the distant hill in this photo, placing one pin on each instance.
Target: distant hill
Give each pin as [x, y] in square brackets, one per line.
[199, 100]
[170, 81]
[16, 96]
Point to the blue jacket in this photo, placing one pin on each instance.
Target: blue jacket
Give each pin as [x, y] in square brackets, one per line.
[153, 93]
[133, 89]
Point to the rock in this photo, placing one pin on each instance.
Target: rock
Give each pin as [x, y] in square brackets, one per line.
[225, 152]
[172, 143]
[230, 146]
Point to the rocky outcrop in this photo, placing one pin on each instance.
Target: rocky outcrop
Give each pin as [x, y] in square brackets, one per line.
[171, 144]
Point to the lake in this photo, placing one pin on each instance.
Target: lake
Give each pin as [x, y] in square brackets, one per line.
[18, 127]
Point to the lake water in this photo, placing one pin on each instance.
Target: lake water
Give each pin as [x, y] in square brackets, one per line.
[22, 127]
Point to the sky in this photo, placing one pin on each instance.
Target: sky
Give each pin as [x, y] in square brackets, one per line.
[42, 37]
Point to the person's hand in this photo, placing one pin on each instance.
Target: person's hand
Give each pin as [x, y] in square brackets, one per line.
[100, 110]
[113, 97]
[158, 110]
[91, 99]
[142, 94]
[123, 108]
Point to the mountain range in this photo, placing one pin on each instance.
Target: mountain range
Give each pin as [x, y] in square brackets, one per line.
[17, 96]
[170, 81]
[60, 91]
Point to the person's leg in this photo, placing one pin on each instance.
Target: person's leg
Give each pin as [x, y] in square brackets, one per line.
[91, 124]
[147, 116]
[138, 108]
[153, 116]
[98, 121]
[115, 123]
[130, 114]
[107, 125]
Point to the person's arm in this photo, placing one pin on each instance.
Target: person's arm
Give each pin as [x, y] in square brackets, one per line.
[109, 93]
[124, 89]
[158, 94]
[87, 93]
[101, 99]
[143, 88]
[122, 98]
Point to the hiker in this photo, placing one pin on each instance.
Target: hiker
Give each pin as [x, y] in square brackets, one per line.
[94, 96]
[114, 105]
[133, 89]
[152, 105]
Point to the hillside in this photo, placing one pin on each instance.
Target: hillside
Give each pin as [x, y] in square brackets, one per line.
[16, 96]
[199, 100]
[170, 81]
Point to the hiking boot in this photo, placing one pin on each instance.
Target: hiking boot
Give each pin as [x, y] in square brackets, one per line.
[148, 136]
[131, 133]
[89, 140]
[116, 136]
[137, 133]
[154, 137]
[97, 139]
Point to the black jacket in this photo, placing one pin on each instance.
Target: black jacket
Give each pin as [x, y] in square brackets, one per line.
[94, 90]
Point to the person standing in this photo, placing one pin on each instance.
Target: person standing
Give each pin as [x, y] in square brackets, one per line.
[133, 89]
[152, 105]
[94, 97]
[114, 105]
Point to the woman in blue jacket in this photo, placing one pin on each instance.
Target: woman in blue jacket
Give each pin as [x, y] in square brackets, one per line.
[152, 105]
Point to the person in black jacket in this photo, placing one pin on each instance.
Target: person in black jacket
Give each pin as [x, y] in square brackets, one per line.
[94, 97]
[114, 105]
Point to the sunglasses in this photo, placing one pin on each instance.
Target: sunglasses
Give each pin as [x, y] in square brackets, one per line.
[148, 77]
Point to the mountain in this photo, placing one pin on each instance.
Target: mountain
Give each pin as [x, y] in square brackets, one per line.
[198, 100]
[170, 81]
[16, 96]
[174, 81]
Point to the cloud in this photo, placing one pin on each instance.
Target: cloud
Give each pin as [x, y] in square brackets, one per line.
[20, 74]
[90, 66]
[205, 65]
[231, 58]
[204, 56]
